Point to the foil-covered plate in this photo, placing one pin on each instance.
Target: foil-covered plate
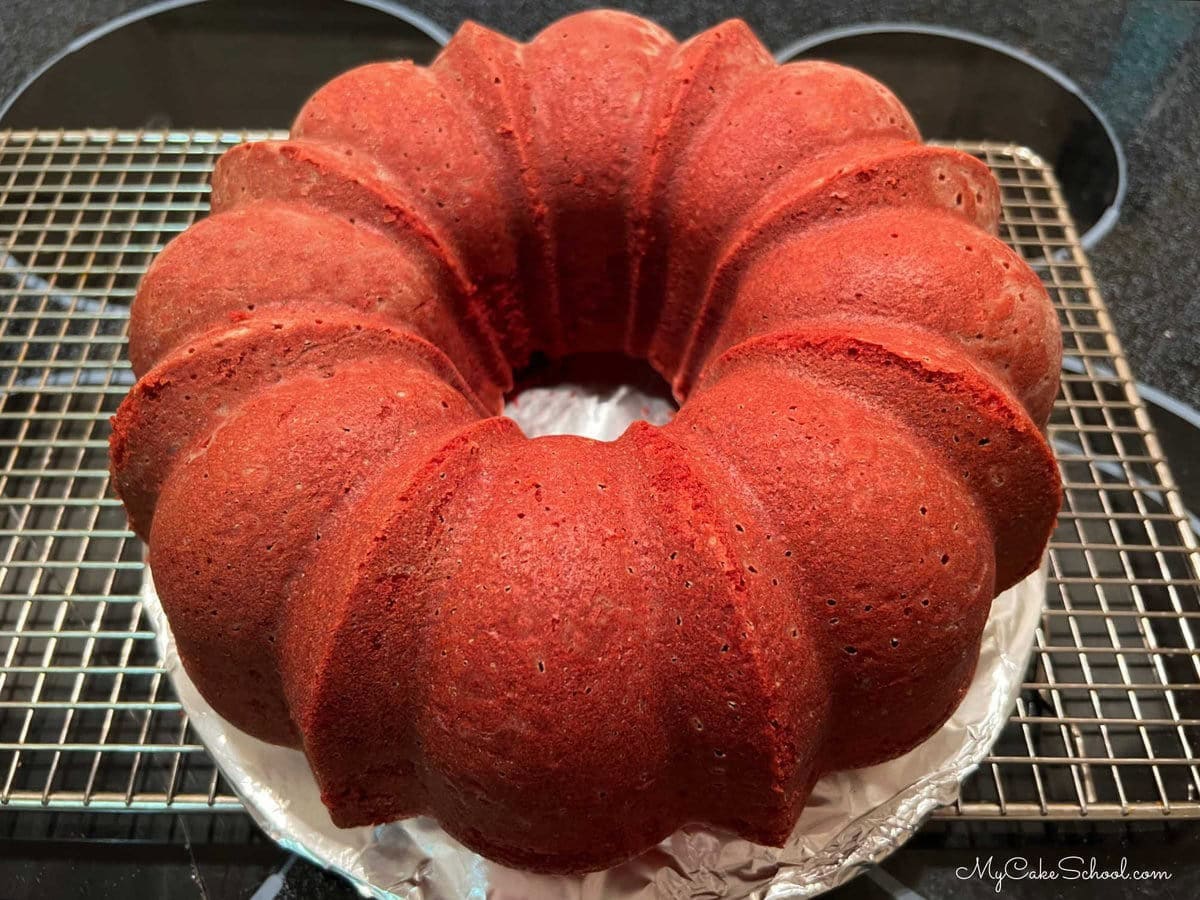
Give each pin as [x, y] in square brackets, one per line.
[852, 819]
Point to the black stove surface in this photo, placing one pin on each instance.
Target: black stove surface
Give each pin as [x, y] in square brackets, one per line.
[225, 857]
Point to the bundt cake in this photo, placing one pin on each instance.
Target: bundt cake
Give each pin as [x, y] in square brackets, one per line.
[565, 649]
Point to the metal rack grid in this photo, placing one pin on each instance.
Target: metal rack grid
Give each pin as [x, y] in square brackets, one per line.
[1106, 724]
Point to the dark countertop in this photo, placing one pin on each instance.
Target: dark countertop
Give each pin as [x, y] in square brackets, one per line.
[1138, 60]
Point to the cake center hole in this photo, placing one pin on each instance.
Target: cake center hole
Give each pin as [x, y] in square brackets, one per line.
[594, 395]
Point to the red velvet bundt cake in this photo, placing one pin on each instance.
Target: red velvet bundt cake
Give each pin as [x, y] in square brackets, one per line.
[560, 648]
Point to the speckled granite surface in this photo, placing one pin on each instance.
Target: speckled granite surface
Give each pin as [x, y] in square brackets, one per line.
[1139, 61]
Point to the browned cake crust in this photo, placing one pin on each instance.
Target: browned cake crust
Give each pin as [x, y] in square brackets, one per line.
[564, 649]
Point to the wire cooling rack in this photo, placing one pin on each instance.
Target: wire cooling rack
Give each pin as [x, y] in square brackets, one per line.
[1106, 723]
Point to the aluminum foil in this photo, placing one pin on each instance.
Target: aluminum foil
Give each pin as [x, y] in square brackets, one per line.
[853, 818]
